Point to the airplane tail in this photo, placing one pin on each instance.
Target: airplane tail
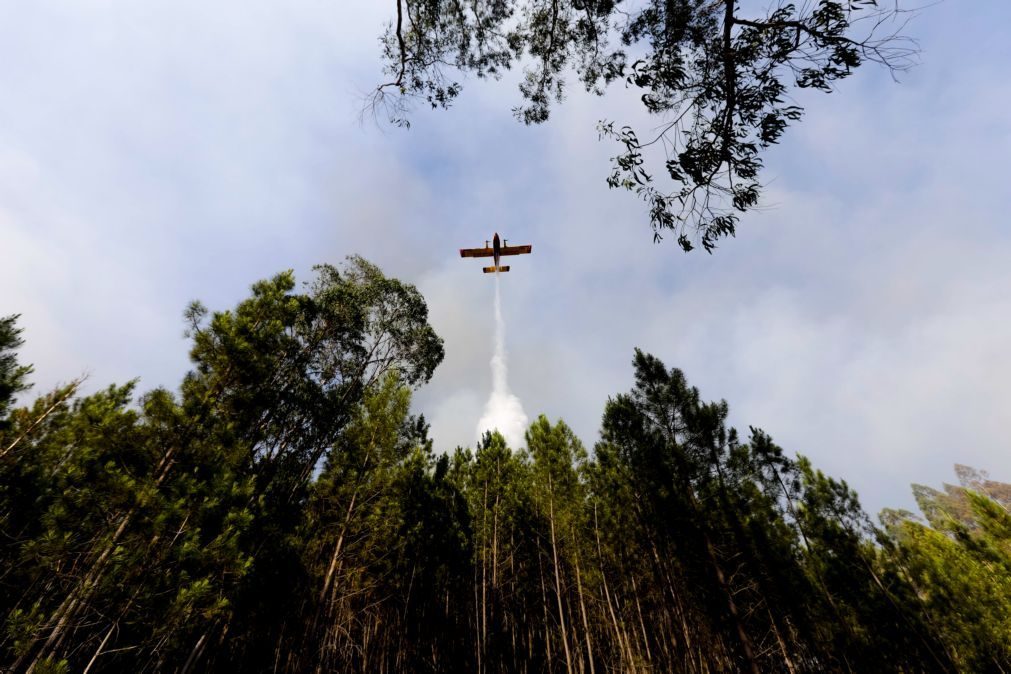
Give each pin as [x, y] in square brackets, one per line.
[490, 270]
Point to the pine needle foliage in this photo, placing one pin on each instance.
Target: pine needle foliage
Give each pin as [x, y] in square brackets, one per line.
[285, 510]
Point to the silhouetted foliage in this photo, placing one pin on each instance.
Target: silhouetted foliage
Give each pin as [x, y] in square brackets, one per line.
[285, 512]
[12, 375]
[718, 77]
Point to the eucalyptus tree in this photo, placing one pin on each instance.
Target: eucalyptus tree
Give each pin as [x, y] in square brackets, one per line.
[205, 489]
[286, 369]
[286, 372]
[719, 75]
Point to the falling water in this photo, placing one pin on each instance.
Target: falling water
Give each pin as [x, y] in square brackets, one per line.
[503, 410]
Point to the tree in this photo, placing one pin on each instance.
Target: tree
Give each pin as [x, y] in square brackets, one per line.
[719, 79]
[12, 375]
[755, 562]
[960, 565]
[558, 496]
[285, 512]
[283, 376]
[875, 612]
[154, 533]
[496, 482]
[667, 435]
[386, 547]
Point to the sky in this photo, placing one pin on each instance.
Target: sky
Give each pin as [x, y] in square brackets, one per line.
[159, 152]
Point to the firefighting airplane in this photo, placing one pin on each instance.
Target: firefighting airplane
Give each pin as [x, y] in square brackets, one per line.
[496, 250]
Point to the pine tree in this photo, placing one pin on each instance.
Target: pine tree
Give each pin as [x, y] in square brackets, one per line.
[13, 376]
[284, 511]
[960, 566]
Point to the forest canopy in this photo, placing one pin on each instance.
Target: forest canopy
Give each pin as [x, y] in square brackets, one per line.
[284, 511]
[719, 76]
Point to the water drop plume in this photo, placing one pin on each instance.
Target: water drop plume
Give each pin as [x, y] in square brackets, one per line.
[503, 411]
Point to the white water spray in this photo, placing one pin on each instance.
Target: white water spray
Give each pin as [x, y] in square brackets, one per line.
[503, 410]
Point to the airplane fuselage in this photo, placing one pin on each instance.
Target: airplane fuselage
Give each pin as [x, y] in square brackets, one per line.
[497, 247]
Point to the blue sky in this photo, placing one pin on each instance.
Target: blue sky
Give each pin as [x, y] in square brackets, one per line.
[153, 153]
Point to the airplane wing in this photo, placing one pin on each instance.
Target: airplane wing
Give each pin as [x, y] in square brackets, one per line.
[476, 252]
[514, 250]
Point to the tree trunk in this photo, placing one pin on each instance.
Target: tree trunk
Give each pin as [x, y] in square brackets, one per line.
[484, 575]
[98, 651]
[194, 656]
[67, 392]
[586, 624]
[544, 604]
[558, 581]
[782, 645]
[746, 647]
[642, 623]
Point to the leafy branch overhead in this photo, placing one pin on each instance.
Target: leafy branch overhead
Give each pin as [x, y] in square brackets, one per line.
[718, 80]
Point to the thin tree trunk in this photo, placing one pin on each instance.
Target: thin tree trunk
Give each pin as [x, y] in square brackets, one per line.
[337, 549]
[619, 633]
[79, 595]
[99, 650]
[477, 623]
[484, 574]
[544, 604]
[782, 645]
[642, 623]
[558, 581]
[494, 544]
[746, 647]
[68, 391]
[194, 656]
[586, 624]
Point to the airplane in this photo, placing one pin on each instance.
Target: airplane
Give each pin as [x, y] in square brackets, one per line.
[496, 250]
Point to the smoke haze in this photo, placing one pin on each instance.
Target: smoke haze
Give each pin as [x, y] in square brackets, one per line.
[503, 411]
